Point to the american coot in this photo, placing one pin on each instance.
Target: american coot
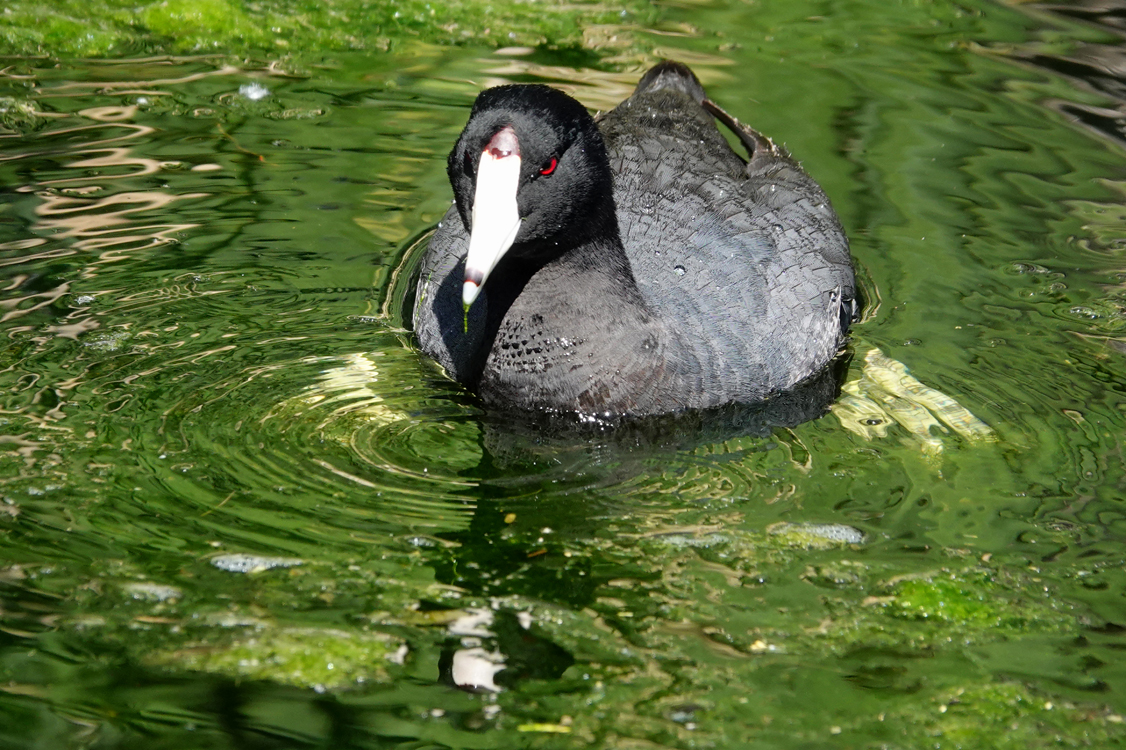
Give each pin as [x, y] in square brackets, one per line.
[633, 266]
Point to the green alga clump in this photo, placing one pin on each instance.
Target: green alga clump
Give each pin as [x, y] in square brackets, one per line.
[815, 535]
[947, 601]
[975, 599]
[100, 28]
[201, 25]
[829, 588]
[253, 617]
[19, 116]
[1006, 715]
[971, 604]
[306, 657]
[70, 29]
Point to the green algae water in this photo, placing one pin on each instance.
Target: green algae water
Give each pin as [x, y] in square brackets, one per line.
[239, 510]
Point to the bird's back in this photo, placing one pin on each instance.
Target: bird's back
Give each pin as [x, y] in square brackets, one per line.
[746, 263]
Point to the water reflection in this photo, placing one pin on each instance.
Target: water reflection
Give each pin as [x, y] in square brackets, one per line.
[1099, 67]
[225, 470]
[71, 215]
[885, 395]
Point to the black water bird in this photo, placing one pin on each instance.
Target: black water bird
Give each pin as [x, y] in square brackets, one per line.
[633, 265]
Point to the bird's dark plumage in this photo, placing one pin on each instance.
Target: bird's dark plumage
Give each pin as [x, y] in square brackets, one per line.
[651, 270]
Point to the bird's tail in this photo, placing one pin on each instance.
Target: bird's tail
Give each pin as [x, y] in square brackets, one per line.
[672, 75]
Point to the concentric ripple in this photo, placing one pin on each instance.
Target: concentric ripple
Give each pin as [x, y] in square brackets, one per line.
[226, 473]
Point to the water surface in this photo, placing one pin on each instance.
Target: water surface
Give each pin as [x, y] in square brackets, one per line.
[240, 510]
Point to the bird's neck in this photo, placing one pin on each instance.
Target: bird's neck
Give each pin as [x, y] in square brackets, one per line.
[593, 255]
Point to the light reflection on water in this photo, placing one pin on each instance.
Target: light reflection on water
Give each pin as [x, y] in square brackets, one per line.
[205, 359]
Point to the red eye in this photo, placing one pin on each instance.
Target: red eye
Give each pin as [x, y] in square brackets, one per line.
[550, 167]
